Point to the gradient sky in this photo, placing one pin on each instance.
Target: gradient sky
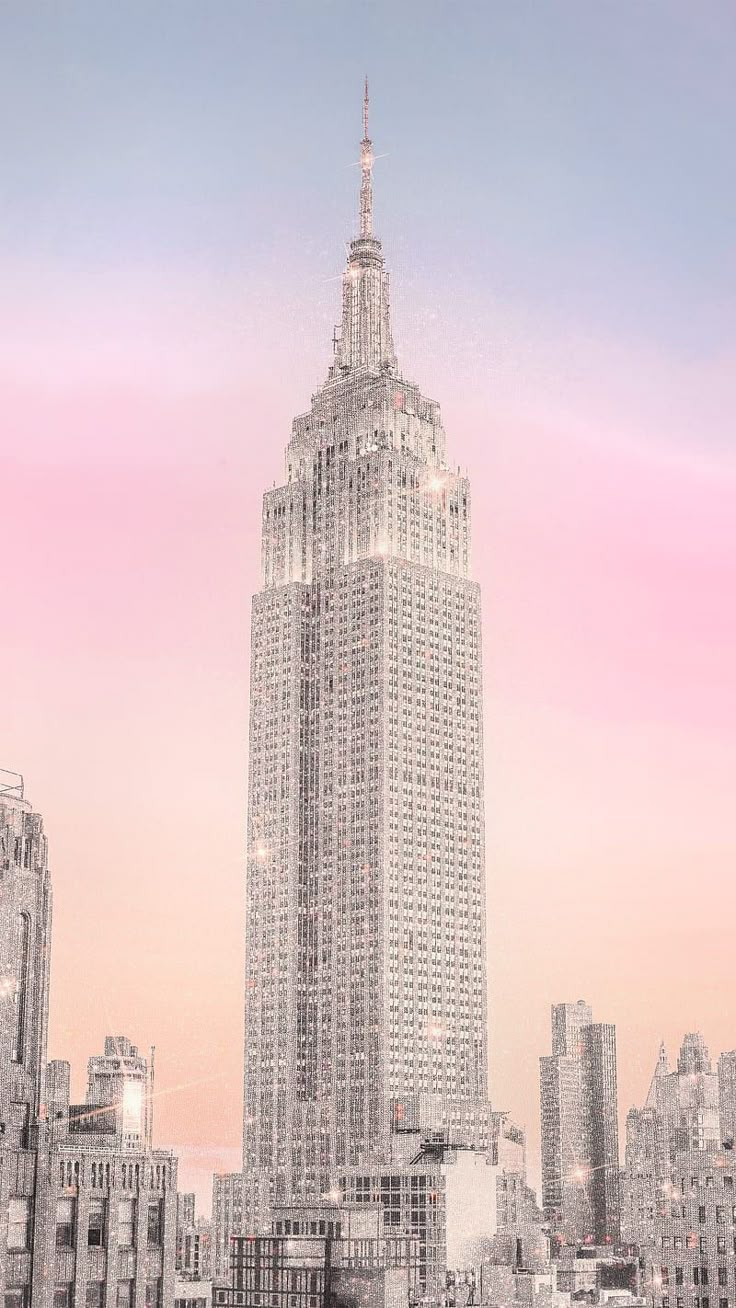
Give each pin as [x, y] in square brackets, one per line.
[557, 206]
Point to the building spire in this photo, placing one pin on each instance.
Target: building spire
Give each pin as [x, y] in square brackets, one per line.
[366, 168]
[365, 109]
[364, 339]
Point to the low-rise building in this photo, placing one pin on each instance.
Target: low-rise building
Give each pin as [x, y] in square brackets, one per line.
[192, 1294]
[308, 1271]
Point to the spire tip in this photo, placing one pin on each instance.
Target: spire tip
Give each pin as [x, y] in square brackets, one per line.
[365, 109]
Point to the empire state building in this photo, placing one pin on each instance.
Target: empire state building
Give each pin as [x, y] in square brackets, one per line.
[365, 1014]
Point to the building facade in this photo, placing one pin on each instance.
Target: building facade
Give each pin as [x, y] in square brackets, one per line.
[227, 1219]
[691, 1262]
[642, 1176]
[106, 1199]
[365, 936]
[687, 1100]
[579, 1120]
[185, 1210]
[347, 1265]
[727, 1097]
[686, 1111]
[25, 941]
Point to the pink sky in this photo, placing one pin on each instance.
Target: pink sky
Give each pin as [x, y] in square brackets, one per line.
[142, 422]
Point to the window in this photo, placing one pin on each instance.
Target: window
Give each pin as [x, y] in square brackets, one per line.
[64, 1223]
[154, 1223]
[125, 1294]
[19, 1215]
[23, 938]
[16, 1298]
[95, 1294]
[126, 1223]
[63, 1296]
[723, 1276]
[18, 1122]
[153, 1294]
[96, 1227]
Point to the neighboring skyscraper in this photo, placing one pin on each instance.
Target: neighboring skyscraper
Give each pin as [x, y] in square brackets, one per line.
[600, 1125]
[25, 942]
[686, 1102]
[578, 1096]
[681, 1115]
[365, 937]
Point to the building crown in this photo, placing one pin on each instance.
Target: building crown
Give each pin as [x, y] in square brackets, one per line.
[364, 340]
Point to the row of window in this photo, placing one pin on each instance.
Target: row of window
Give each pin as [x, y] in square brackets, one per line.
[19, 1223]
[700, 1275]
[65, 1296]
[697, 1302]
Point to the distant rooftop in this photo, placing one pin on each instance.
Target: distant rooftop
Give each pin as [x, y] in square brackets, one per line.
[11, 783]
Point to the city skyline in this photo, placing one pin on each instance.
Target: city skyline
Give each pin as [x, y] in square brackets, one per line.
[577, 738]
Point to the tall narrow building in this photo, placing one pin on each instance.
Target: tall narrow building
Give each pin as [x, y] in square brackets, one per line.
[365, 937]
[579, 1107]
[25, 944]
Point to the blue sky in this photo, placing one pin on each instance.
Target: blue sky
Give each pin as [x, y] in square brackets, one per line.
[575, 155]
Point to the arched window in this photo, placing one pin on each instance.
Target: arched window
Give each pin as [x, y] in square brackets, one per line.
[22, 959]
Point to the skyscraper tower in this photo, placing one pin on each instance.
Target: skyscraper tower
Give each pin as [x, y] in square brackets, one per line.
[579, 1106]
[365, 936]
